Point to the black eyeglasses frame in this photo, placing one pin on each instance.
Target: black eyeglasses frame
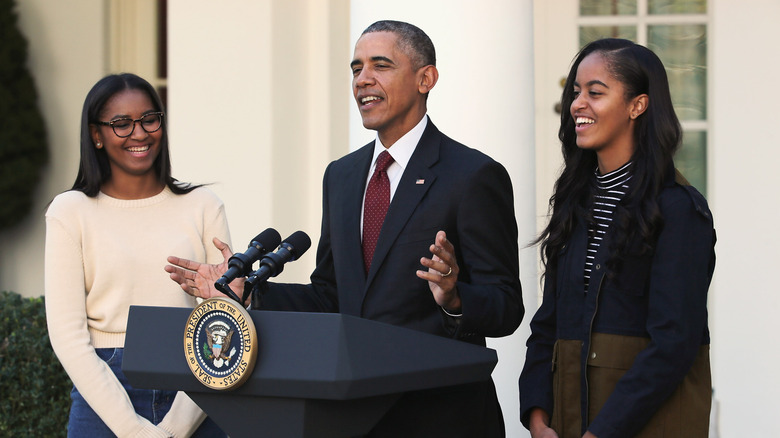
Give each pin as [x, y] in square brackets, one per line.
[134, 121]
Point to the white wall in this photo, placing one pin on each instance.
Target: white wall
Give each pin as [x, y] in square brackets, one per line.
[743, 177]
[220, 110]
[66, 56]
[253, 109]
[484, 99]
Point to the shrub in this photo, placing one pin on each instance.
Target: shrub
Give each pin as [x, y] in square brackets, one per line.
[35, 389]
[23, 144]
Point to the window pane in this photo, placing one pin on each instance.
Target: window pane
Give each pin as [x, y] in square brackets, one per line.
[608, 7]
[691, 159]
[677, 6]
[163, 92]
[162, 38]
[683, 50]
[592, 33]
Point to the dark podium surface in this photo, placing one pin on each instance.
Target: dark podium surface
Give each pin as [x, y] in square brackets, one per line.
[316, 374]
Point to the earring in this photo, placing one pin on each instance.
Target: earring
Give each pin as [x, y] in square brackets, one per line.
[99, 145]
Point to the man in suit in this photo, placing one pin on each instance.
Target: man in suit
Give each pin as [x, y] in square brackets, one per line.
[445, 260]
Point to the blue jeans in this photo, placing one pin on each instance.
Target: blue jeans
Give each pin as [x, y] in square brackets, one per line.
[151, 404]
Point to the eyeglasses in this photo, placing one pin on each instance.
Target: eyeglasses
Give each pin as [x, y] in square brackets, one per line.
[124, 127]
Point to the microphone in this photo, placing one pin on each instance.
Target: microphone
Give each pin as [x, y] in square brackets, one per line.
[241, 263]
[273, 263]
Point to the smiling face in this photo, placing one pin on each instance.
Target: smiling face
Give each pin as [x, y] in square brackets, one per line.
[389, 91]
[133, 156]
[604, 117]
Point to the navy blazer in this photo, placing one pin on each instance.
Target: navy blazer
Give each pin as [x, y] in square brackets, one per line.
[445, 186]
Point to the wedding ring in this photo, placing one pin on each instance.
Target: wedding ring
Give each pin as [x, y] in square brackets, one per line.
[448, 273]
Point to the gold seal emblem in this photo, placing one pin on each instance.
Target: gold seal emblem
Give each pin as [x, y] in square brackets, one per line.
[220, 343]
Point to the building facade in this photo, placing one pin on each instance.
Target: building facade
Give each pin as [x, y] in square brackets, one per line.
[259, 103]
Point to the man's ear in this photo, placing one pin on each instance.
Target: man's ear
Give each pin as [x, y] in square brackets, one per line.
[428, 76]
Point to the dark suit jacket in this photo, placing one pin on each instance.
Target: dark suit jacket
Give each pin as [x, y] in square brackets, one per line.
[445, 186]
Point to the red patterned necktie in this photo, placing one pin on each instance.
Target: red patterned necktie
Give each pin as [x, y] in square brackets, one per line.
[375, 208]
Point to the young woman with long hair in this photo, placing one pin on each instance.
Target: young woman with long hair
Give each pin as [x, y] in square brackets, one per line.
[620, 344]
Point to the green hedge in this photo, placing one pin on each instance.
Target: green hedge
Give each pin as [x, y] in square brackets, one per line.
[24, 149]
[35, 389]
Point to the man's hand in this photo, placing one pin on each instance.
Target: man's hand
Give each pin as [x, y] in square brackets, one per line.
[197, 279]
[442, 273]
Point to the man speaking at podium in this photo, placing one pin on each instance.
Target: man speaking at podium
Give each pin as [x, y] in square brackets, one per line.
[417, 231]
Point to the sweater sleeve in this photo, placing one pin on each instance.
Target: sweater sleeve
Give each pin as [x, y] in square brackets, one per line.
[216, 225]
[67, 323]
[185, 416]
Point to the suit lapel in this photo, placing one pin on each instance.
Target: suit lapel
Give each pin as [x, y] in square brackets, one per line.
[408, 195]
[349, 217]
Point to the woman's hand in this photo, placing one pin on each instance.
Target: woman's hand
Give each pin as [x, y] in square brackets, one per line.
[539, 424]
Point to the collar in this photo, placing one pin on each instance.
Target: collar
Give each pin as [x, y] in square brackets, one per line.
[401, 150]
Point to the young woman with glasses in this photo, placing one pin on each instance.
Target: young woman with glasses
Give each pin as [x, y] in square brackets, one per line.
[107, 240]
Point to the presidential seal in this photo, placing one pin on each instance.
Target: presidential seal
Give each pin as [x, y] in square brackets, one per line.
[220, 343]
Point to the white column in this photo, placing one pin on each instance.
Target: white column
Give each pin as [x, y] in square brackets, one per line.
[219, 105]
[743, 179]
[484, 99]
[255, 109]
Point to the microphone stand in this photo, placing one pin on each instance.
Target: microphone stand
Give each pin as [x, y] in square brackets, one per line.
[257, 290]
[225, 289]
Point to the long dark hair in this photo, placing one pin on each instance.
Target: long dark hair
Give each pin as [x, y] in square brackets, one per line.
[94, 168]
[657, 136]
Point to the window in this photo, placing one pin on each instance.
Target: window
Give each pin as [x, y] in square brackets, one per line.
[138, 41]
[676, 30]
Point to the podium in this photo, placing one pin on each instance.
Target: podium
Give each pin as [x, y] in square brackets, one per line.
[317, 375]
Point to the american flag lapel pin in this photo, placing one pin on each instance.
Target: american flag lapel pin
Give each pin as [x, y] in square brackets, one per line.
[420, 181]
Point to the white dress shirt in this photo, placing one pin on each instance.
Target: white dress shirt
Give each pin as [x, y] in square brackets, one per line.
[401, 151]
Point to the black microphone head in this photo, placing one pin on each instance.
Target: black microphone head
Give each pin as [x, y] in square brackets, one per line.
[298, 243]
[241, 263]
[268, 239]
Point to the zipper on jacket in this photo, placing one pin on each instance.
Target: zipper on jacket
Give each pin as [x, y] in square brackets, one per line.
[590, 348]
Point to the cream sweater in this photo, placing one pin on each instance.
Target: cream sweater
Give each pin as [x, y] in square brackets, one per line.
[104, 255]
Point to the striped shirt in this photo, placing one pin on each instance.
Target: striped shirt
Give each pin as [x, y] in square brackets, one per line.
[610, 189]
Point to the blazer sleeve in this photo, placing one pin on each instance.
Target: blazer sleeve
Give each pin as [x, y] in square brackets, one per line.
[487, 252]
[536, 379]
